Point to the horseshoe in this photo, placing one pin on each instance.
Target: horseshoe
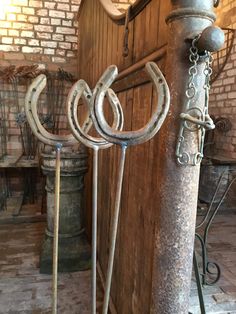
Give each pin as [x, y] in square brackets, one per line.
[125, 139]
[38, 129]
[81, 89]
[58, 142]
[151, 128]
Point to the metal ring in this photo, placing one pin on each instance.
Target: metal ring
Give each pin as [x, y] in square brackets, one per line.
[81, 89]
[142, 135]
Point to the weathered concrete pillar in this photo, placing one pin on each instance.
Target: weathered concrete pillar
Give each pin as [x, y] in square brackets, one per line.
[178, 184]
[74, 251]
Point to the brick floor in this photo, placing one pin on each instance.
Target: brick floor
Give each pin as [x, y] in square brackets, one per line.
[220, 298]
[24, 290]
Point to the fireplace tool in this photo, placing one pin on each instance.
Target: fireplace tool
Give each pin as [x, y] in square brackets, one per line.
[125, 139]
[58, 142]
[81, 89]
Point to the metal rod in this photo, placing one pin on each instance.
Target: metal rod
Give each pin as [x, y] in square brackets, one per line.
[56, 227]
[114, 230]
[199, 285]
[94, 228]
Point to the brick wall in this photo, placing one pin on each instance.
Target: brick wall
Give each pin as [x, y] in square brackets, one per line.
[223, 91]
[40, 31]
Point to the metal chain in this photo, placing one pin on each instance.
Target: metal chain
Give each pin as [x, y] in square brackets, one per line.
[193, 58]
[194, 118]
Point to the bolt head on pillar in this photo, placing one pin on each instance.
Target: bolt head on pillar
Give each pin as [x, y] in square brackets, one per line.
[212, 39]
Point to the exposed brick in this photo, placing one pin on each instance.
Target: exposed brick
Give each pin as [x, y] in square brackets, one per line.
[70, 15]
[60, 52]
[74, 8]
[45, 20]
[231, 72]
[67, 23]
[32, 50]
[42, 12]
[44, 35]
[58, 37]
[33, 19]
[65, 30]
[49, 44]
[232, 95]
[65, 45]
[72, 39]
[22, 18]
[55, 21]
[70, 54]
[50, 5]
[35, 4]
[19, 2]
[54, 13]
[9, 48]
[228, 81]
[20, 41]
[43, 28]
[7, 40]
[49, 51]
[63, 7]
[3, 32]
[33, 42]
[13, 56]
[58, 60]
[22, 25]
[30, 11]
[27, 34]
[4, 24]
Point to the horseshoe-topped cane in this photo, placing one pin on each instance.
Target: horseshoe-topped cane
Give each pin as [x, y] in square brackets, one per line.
[125, 139]
[58, 142]
[81, 89]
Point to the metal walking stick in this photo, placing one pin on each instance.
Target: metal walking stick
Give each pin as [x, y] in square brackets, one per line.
[81, 89]
[58, 142]
[125, 139]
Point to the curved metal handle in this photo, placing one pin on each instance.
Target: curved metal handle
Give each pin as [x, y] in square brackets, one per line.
[151, 128]
[81, 89]
[31, 101]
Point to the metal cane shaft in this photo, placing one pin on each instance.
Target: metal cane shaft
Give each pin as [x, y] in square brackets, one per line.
[94, 229]
[56, 229]
[114, 231]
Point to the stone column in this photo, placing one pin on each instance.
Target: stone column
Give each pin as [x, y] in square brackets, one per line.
[74, 251]
[177, 184]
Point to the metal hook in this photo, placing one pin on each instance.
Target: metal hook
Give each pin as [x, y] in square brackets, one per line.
[124, 139]
[81, 89]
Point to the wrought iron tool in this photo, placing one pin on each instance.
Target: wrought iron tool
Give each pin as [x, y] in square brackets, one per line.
[58, 142]
[81, 89]
[125, 139]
